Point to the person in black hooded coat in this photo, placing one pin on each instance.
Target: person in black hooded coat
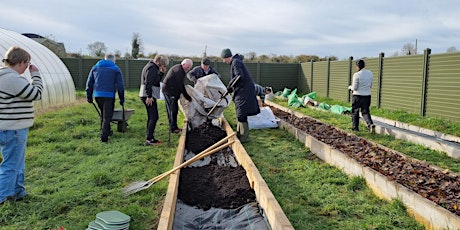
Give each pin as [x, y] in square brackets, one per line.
[244, 95]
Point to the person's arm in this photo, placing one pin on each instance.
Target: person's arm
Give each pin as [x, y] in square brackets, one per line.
[191, 75]
[120, 88]
[90, 87]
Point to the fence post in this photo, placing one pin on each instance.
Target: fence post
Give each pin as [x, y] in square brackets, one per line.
[426, 64]
[258, 73]
[328, 77]
[350, 75]
[379, 76]
[311, 76]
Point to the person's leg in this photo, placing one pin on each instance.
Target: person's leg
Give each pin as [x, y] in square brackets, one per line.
[243, 129]
[355, 106]
[174, 112]
[168, 103]
[365, 111]
[13, 148]
[107, 106]
[152, 119]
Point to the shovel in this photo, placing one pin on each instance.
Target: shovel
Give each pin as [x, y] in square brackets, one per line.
[223, 96]
[142, 185]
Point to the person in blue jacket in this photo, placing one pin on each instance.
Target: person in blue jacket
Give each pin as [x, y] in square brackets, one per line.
[244, 94]
[104, 80]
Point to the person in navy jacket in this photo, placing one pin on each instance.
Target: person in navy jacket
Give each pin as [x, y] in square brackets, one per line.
[104, 80]
[244, 94]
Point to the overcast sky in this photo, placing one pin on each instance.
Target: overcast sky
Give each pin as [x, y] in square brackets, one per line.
[357, 28]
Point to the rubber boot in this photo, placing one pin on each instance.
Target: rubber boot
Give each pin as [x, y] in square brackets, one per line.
[238, 128]
[244, 131]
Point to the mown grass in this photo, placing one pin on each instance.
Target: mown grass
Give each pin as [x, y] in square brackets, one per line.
[71, 176]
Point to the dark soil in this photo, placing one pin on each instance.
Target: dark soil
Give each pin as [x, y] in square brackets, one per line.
[203, 136]
[213, 185]
[438, 186]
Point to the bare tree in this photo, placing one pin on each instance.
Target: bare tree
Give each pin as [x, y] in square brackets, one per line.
[97, 49]
[451, 49]
[408, 49]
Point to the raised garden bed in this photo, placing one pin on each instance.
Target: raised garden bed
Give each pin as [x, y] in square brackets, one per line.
[214, 195]
[431, 194]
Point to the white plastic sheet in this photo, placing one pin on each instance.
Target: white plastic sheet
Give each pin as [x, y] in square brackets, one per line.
[265, 119]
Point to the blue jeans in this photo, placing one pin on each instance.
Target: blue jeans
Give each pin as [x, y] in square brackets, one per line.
[13, 149]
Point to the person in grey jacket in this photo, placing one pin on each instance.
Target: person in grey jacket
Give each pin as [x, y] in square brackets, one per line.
[244, 94]
[361, 88]
[17, 94]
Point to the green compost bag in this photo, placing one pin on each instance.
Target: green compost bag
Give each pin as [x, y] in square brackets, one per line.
[293, 100]
[286, 92]
[324, 106]
[340, 109]
[312, 95]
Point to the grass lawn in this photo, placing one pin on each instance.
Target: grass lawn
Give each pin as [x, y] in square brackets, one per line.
[71, 176]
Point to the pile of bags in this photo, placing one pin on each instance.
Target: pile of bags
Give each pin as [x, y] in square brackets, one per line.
[308, 100]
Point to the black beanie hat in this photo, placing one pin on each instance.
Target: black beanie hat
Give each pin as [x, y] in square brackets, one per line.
[226, 53]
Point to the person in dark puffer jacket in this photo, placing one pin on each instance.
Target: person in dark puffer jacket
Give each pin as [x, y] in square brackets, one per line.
[104, 80]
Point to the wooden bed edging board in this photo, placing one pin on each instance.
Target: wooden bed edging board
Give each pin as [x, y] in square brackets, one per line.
[169, 205]
[267, 201]
[431, 215]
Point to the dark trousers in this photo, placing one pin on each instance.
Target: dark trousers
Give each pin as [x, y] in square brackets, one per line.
[152, 117]
[172, 108]
[361, 103]
[106, 106]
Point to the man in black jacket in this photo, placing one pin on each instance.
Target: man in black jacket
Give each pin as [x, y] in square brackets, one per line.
[173, 87]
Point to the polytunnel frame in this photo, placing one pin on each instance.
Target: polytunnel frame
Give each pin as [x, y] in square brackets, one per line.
[58, 85]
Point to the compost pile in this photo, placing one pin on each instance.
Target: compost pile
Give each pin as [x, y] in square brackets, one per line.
[440, 187]
[213, 185]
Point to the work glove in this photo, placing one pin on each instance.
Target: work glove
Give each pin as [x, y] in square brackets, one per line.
[90, 100]
[122, 103]
[229, 90]
[189, 98]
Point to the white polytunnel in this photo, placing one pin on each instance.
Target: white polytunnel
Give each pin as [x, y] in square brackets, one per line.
[58, 85]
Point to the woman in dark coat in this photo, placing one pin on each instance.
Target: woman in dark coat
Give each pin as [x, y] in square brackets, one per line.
[244, 95]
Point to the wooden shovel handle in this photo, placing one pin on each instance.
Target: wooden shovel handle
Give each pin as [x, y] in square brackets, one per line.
[210, 150]
[190, 161]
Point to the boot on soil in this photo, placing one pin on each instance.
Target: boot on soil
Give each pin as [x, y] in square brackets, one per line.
[244, 132]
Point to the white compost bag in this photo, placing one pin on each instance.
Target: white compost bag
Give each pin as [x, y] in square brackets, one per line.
[265, 119]
[207, 92]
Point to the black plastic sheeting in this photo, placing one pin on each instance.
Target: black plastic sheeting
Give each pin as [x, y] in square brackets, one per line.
[249, 216]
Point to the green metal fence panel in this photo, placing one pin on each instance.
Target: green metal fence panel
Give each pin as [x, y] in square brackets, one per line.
[443, 97]
[279, 76]
[402, 83]
[320, 78]
[305, 77]
[338, 80]
[73, 65]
